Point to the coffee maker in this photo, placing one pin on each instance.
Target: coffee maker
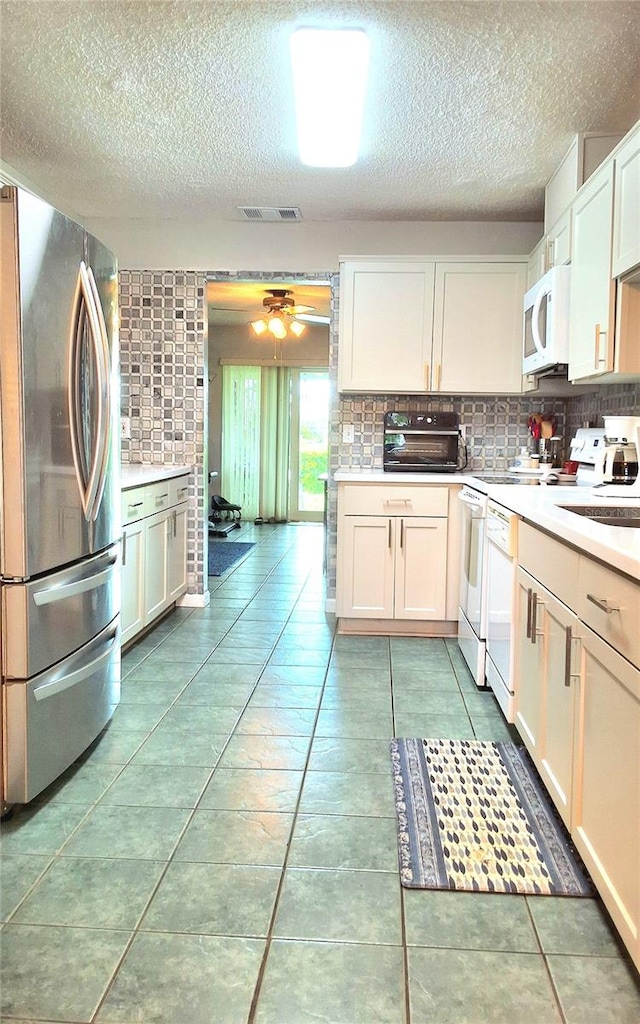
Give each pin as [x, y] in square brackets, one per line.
[618, 465]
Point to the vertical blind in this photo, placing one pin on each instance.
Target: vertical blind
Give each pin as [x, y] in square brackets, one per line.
[256, 439]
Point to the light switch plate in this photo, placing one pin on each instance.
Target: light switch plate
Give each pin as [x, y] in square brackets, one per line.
[125, 426]
[348, 433]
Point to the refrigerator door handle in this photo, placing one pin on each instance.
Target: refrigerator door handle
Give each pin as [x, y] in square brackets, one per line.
[72, 589]
[73, 678]
[104, 378]
[84, 312]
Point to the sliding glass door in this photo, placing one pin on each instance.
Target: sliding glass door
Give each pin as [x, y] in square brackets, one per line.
[309, 444]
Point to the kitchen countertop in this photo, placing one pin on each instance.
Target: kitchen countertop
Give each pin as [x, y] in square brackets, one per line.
[616, 546]
[135, 475]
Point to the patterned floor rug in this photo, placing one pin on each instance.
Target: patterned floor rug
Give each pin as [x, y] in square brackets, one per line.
[225, 553]
[474, 815]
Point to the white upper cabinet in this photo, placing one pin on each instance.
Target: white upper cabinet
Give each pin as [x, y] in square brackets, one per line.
[421, 327]
[585, 154]
[385, 327]
[592, 290]
[477, 333]
[626, 208]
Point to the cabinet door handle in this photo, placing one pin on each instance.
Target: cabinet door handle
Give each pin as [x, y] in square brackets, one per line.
[175, 524]
[401, 533]
[567, 655]
[535, 601]
[124, 549]
[427, 371]
[529, 600]
[599, 359]
[438, 375]
[389, 533]
[160, 497]
[603, 604]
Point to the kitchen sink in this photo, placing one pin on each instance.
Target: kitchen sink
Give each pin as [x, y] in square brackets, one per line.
[610, 515]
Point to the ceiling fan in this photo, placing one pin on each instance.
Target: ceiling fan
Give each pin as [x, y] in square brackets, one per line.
[281, 315]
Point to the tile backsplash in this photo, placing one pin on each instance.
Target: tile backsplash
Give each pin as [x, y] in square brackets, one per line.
[608, 400]
[163, 353]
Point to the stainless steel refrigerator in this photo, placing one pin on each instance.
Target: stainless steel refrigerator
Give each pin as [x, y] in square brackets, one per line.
[59, 492]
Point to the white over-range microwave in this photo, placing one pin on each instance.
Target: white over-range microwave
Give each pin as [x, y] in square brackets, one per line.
[546, 323]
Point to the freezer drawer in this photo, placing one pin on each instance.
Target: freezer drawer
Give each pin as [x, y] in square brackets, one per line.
[50, 719]
[47, 619]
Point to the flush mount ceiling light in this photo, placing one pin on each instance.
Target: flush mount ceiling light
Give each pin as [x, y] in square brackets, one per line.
[279, 318]
[329, 80]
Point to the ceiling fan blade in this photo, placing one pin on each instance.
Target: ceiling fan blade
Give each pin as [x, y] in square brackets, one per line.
[228, 309]
[294, 310]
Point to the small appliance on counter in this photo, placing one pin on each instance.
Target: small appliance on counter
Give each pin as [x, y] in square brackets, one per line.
[423, 442]
[618, 461]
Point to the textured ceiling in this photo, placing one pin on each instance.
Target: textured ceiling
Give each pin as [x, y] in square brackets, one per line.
[125, 108]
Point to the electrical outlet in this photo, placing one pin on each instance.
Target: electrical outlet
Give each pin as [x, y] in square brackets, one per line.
[463, 431]
[348, 433]
[125, 426]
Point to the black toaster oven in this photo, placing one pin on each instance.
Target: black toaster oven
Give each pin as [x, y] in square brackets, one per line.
[421, 442]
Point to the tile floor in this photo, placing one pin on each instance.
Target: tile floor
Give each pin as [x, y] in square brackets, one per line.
[226, 854]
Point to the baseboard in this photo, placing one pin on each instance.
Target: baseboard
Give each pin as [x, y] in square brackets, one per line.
[330, 605]
[194, 600]
[398, 627]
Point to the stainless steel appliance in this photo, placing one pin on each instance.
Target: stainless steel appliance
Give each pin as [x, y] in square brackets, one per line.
[59, 502]
[422, 442]
[501, 553]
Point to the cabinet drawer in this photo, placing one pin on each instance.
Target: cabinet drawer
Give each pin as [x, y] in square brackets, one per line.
[134, 504]
[178, 489]
[550, 562]
[609, 604]
[393, 500]
[159, 496]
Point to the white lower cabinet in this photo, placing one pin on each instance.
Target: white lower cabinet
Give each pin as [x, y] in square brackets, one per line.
[578, 711]
[132, 580]
[606, 806]
[393, 567]
[156, 564]
[154, 552]
[546, 686]
[177, 562]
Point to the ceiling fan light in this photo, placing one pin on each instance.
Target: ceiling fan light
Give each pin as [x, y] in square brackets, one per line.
[331, 64]
[259, 326]
[296, 328]
[277, 327]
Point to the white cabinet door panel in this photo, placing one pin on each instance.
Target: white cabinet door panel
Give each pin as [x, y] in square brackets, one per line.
[156, 564]
[606, 819]
[478, 327]
[626, 211]
[592, 291]
[132, 580]
[367, 584]
[386, 315]
[421, 568]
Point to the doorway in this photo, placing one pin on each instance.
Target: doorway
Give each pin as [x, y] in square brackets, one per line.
[309, 456]
[288, 429]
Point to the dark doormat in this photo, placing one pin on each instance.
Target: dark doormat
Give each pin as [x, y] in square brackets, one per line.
[475, 816]
[223, 554]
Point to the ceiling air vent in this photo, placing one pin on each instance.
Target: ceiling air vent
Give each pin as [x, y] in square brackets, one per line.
[270, 213]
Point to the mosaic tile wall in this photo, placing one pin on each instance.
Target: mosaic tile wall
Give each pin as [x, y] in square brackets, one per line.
[163, 354]
[608, 400]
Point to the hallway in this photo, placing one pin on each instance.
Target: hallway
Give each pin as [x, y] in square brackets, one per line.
[226, 852]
